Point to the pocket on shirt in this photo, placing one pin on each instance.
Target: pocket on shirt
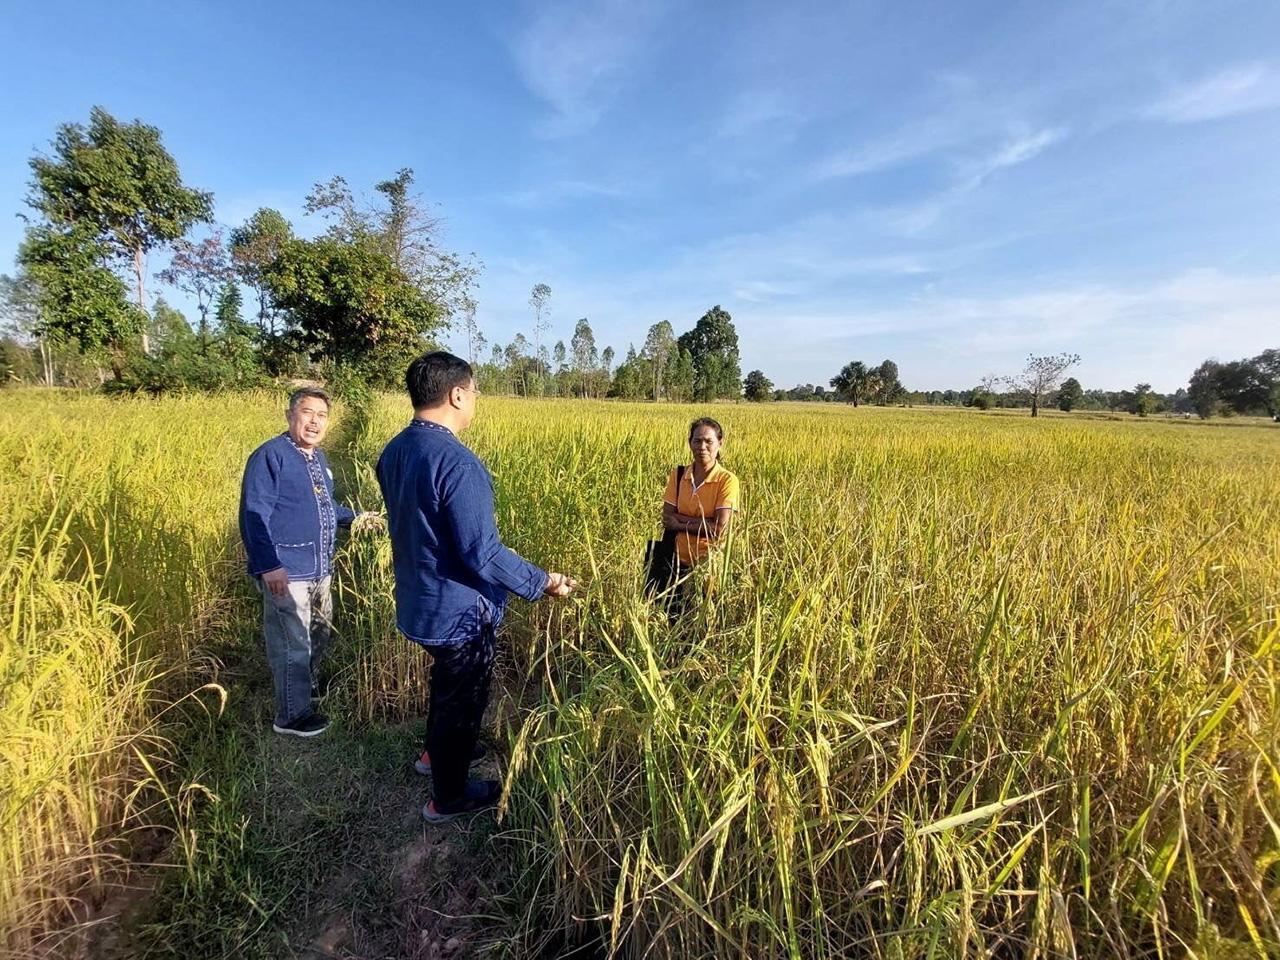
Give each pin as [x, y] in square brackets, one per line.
[302, 560]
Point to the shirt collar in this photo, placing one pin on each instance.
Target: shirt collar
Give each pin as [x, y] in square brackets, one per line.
[716, 468]
[430, 425]
[309, 454]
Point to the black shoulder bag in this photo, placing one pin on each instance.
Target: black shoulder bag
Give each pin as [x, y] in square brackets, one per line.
[660, 555]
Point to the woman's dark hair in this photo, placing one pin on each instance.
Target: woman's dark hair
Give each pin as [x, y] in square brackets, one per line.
[431, 377]
[707, 422]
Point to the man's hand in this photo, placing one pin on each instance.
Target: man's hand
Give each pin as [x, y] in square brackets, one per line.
[558, 585]
[369, 520]
[277, 581]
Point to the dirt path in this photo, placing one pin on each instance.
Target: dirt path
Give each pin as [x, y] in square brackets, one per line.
[304, 848]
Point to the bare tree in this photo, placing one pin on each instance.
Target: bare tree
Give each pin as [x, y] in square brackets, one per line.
[1042, 376]
[405, 230]
[199, 269]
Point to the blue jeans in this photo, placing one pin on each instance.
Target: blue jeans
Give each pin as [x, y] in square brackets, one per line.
[297, 628]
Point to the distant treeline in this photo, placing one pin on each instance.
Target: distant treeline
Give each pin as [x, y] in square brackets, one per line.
[352, 305]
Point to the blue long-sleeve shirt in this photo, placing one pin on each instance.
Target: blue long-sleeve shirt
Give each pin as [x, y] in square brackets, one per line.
[288, 516]
[452, 571]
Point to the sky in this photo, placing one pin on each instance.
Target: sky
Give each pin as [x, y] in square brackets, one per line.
[949, 185]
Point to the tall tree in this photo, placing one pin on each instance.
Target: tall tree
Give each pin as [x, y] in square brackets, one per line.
[254, 247]
[516, 356]
[199, 269]
[658, 346]
[351, 304]
[582, 348]
[1070, 395]
[471, 328]
[117, 182]
[627, 381]
[227, 313]
[498, 365]
[1202, 390]
[1042, 375]
[680, 377]
[1243, 385]
[1267, 364]
[79, 297]
[170, 332]
[1144, 401]
[851, 382]
[235, 337]
[713, 346]
[539, 297]
[20, 319]
[889, 388]
[757, 387]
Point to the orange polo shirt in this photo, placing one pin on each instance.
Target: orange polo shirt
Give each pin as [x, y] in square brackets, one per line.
[717, 492]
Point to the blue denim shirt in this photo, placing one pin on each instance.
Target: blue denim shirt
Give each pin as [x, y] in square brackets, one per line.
[452, 570]
[288, 517]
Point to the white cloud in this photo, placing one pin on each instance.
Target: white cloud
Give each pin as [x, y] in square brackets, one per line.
[1244, 88]
[963, 124]
[914, 219]
[762, 291]
[575, 57]
[914, 142]
[561, 191]
[1022, 149]
[753, 111]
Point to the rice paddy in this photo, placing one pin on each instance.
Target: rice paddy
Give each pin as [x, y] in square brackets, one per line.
[958, 685]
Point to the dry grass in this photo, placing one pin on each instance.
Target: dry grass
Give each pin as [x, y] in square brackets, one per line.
[961, 685]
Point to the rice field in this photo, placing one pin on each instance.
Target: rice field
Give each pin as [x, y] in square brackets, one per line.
[959, 685]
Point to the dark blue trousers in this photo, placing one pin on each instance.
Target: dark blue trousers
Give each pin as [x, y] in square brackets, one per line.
[459, 689]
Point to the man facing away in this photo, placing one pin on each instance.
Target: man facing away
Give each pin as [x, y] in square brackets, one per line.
[289, 523]
[452, 572]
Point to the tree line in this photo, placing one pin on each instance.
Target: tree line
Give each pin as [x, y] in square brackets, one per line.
[373, 289]
[376, 287]
[700, 364]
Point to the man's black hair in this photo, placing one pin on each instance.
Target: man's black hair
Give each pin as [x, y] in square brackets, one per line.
[302, 393]
[431, 377]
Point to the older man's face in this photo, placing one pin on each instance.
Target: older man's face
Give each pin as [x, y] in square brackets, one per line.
[308, 421]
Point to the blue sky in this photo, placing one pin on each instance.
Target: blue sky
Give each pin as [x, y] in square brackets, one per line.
[950, 185]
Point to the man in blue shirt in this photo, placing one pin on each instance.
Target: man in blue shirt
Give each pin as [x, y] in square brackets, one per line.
[289, 523]
[452, 572]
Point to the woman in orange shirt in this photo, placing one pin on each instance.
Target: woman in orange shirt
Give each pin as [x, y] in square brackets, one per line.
[699, 504]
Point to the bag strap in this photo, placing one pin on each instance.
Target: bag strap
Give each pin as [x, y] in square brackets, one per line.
[669, 536]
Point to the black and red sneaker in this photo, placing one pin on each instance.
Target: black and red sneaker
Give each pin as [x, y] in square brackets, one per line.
[479, 795]
[423, 763]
